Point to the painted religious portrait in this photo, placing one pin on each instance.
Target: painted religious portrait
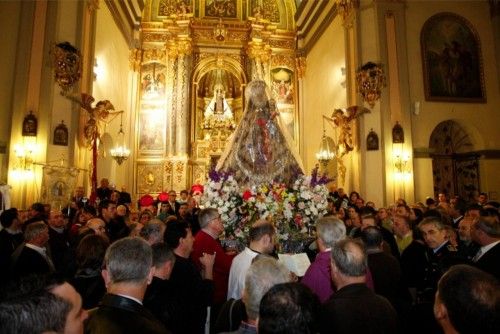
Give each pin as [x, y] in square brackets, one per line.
[452, 61]
[221, 8]
[282, 85]
[151, 130]
[61, 135]
[153, 81]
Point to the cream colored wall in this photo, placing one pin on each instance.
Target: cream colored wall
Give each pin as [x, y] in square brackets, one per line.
[369, 181]
[490, 181]
[480, 119]
[422, 168]
[112, 83]
[322, 91]
[9, 24]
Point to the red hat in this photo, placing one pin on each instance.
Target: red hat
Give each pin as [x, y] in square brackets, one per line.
[197, 188]
[146, 200]
[163, 197]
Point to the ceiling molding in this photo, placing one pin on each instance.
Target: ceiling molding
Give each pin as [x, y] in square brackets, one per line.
[127, 16]
[312, 19]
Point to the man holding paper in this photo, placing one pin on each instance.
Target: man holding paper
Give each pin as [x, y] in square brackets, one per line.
[329, 230]
[261, 242]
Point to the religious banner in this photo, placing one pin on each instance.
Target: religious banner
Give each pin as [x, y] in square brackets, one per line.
[58, 184]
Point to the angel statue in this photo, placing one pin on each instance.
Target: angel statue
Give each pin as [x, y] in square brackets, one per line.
[260, 150]
[343, 119]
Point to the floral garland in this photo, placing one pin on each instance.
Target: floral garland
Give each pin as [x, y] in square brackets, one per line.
[292, 209]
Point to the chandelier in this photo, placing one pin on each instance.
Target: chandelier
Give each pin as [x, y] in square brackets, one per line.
[326, 150]
[120, 152]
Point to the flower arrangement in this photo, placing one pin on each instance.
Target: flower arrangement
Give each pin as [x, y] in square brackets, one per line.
[292, 208]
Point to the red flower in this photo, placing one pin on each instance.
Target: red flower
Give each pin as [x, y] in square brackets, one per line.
[247, 195]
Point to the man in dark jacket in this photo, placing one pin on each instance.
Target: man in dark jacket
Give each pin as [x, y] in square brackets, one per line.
[128, 271]
[354, 308]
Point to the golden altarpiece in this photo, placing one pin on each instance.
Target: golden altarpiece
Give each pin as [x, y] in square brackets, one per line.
[195, 59]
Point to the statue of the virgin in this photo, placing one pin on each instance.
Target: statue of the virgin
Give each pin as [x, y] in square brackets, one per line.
[260, 150]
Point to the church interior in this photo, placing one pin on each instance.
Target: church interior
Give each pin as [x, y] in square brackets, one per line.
[392, 98]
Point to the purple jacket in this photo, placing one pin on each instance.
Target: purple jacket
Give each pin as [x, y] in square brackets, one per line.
[318, 277]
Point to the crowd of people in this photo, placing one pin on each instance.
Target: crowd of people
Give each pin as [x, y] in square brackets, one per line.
[430, 267]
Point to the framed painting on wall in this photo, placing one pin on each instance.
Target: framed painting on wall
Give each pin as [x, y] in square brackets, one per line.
[451, 58]
[223, 9]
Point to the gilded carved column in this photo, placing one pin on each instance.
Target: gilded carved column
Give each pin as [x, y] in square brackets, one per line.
[171, 97]
[300, 69]
[184, 48]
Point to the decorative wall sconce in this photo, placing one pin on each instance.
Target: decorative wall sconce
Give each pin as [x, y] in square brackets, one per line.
[24, 160]
[401, 160]
[343, 82]
[120, 152]
[67, 62]
[370, 79]
[95, 69]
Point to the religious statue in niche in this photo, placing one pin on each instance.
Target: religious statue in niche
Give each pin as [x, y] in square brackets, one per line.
[282, 85]
[221, 8]
[260, 149]
[61, 135]
[372, 141]
[218, 114]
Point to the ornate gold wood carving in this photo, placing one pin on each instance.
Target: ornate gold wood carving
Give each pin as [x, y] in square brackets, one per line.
[149, 177]
[300, 66]
[283, 60]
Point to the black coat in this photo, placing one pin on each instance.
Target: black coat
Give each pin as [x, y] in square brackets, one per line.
[161, 301]
[8, 244]
[59, 250]
[90, 285]
[490, 261]
[357, 309]
[121, 315]
[193, 294]
[26, 261]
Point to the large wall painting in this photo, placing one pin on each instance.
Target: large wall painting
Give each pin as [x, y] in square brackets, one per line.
[152, 115]
[452, 63]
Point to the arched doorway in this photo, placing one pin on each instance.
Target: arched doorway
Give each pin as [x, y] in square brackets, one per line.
[455, 165]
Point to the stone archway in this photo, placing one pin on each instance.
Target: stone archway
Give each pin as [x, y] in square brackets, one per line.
[455, 165]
